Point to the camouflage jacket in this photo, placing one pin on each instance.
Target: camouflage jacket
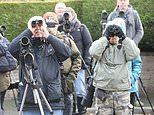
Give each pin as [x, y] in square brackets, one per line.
[73, 64]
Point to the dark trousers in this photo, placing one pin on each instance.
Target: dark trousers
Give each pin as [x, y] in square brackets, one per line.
[132, 97]
[68, 101]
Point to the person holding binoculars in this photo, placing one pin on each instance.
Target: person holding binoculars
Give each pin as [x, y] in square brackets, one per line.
[48, 52]
[113, 51]
[134, 30]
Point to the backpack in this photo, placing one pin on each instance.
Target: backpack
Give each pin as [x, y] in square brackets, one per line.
[7, 61]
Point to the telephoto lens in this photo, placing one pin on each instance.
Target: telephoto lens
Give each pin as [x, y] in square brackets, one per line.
[25, 42]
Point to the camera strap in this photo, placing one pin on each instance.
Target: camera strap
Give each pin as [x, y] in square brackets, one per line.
[97, 60]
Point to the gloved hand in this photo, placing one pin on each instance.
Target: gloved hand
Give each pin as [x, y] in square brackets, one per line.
[107, 32]
[114, 30]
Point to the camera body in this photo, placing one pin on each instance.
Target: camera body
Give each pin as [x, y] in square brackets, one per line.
[65, 24]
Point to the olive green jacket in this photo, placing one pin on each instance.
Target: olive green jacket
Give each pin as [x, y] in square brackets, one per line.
[73, 64]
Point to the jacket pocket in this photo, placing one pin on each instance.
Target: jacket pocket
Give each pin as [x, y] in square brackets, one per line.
[54, 92]
[68, 86]
[101, 94]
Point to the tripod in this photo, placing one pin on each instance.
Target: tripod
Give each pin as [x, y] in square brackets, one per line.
[146, 94]
[133, 96]
[29, 67]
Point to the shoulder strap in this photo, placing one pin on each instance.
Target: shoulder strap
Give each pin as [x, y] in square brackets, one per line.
[97, 60]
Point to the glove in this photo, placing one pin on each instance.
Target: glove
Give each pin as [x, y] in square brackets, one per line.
[113, 30]
[107, 32]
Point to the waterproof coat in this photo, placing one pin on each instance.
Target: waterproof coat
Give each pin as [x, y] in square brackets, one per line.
[4, 77]
[112, 69]
[71, 66]
[47, 71]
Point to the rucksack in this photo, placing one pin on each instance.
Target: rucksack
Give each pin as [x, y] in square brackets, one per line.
[7, 61]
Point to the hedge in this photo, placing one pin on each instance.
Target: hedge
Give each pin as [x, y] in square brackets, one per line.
[16, 15]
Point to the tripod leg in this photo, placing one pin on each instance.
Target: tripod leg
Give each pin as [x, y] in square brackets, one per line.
[39, 101]
[146, 93]
[13, 90]
[140, 103]
[74, 102]
[23, 100]
[132, 100]
[42, 94]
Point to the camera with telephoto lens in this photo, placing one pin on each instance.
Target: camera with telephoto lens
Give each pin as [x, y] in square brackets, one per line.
[65, 24]
[25, 41]
[25, 44]
[2, 29]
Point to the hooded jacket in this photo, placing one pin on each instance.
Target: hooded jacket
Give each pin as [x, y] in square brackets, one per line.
[112, 69]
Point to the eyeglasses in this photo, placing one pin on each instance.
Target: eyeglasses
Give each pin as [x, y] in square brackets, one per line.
[51, 24]
[38, 22]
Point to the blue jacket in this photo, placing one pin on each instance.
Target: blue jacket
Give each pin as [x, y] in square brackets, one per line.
[47, 58]
[135, 71]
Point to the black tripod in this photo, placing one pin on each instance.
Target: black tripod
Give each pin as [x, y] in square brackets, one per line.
[146, 94]
[29, 70]
[133, 97]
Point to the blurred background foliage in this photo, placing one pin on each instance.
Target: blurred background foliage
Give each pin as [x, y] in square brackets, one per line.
[15, 15]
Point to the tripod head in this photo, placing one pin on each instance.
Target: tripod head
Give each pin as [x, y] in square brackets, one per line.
[29, 60]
